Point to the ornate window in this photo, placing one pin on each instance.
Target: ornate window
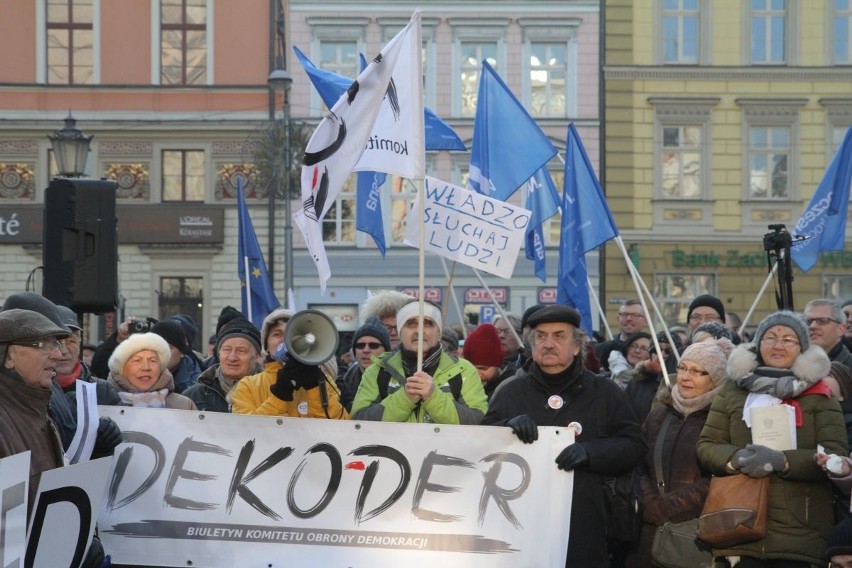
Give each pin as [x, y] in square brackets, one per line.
[549, 79]
[183, 175]
[768, 32]
[674, 292]
[841, 30]
[70, 42]
[183, 42]
[681, 33]
[335, 45]
[473, 42]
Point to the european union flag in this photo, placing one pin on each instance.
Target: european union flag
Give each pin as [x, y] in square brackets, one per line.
[508, 146]
[258, 297]
[543, 202]
[587, 223]
[823, 223]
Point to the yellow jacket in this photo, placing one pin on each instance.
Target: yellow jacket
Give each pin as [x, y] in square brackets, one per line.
[251, 395]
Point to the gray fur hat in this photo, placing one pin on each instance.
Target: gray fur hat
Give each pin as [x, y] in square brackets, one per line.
[136, 343]
[787, 319]
[270, 320]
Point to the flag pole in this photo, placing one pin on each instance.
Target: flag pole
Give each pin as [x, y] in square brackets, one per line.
[660, 318]
[452, 292]
[497, 306]
[760, 292]
[635, 276]
[422, 278]
[248, 288]
[601, 315]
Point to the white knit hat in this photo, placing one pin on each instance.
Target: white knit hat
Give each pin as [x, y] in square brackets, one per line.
[136, 343]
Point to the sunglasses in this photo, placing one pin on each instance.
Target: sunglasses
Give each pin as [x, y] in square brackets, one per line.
[371, 344]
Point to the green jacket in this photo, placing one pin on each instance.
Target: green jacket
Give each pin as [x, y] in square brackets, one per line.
[440, 408]
[800, 512]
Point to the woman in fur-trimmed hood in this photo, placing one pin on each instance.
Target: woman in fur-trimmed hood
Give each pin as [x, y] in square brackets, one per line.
[138, 371]
[779, 367]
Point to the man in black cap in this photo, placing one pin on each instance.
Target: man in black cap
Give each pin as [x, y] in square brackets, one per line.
[557, 390]
[69, 370]
[182, 365]
[29, 349]
[236, 354]
[705, 309]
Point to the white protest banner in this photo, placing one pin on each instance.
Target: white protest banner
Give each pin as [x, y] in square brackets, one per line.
[65, 513]
[468, 227]
[14, 485]
[223, 490]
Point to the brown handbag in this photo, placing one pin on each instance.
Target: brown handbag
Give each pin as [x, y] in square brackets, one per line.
[735, 511]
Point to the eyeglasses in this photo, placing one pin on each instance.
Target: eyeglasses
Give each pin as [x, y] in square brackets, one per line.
[45, 346]
[664, 350]
[820, 321]
[371, 344]
[691, 371]
[787, 341]
[640, 348]
[705, 318]
[628, 315]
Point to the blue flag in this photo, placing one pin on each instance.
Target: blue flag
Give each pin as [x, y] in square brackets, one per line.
[508, 146]
[543, 202]
[823, 223]
[438, 134]
[586, 224]
[263, 298]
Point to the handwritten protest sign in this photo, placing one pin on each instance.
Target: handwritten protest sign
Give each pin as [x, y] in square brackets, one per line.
[223, 490]
[468, 227]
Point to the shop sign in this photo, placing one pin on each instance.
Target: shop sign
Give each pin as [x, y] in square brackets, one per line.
[481, 295]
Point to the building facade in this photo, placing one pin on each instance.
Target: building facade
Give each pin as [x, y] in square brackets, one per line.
[720, 120]
[175, 93]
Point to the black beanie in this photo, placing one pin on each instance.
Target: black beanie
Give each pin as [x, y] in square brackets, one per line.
[189, 327]
[227, 314]
[373, 327]
[840, 539]
[172, 331]
[239, 327]
[708, 301]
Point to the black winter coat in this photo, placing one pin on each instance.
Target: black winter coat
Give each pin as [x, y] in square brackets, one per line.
[207, 393]
[611, 435]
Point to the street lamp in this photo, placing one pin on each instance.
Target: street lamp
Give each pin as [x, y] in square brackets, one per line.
[70, 149]
[279, 81]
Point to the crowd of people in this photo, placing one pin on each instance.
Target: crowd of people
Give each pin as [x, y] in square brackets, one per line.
[671, 410]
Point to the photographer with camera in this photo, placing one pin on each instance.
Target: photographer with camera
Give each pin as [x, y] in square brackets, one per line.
[100, 360]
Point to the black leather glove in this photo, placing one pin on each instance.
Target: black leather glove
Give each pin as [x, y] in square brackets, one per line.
[283, 387]
[524, 428]
[95, 555]
[758, 461]
[572, 457]
[303, 376]
[109, 436]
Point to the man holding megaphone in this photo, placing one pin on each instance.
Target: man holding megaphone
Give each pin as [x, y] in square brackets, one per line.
[298, 376]
[443, 391]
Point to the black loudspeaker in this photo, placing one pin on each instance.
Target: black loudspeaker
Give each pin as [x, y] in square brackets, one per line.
[80, 244]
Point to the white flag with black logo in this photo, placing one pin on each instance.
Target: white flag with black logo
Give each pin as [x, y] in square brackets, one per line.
[343, 134]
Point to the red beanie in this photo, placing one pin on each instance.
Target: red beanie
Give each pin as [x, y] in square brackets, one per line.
[482, 346]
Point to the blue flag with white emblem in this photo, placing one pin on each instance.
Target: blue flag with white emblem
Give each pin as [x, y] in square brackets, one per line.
[587, 223]
[543, 202]
[508, 146]
[823, 223]
[257, 287]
